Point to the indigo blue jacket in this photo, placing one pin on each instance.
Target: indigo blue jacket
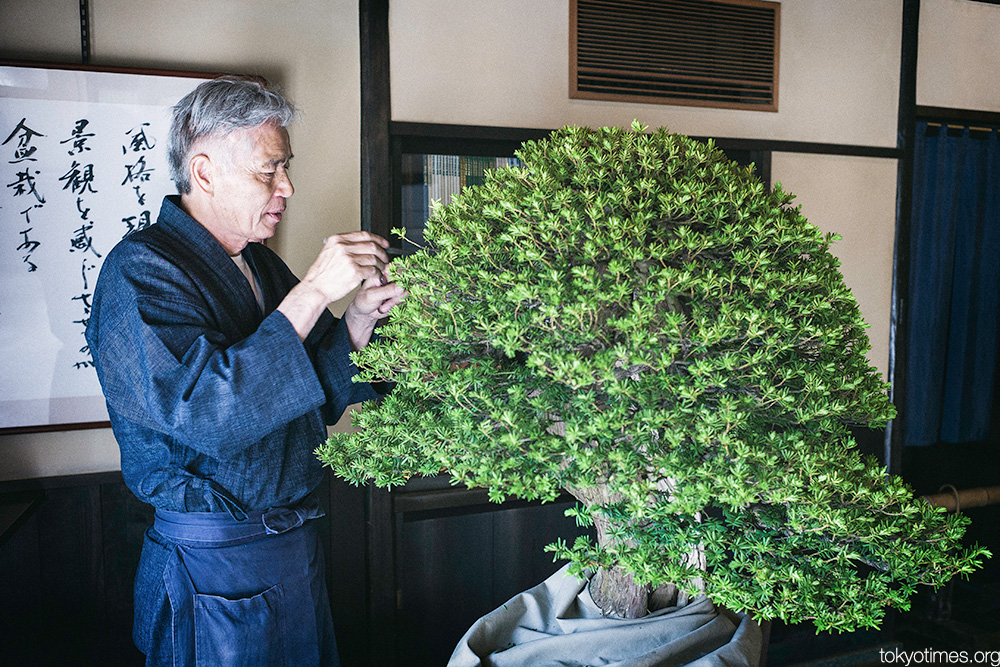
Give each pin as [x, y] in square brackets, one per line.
[216, 406]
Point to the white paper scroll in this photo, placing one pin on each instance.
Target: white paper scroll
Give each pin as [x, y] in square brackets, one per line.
[82, 164]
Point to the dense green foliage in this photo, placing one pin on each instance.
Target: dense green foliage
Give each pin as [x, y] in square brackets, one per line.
[635, 312]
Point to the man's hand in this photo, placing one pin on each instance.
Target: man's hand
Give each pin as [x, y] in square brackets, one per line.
[372, 302]
[347, 260]
[344, 263]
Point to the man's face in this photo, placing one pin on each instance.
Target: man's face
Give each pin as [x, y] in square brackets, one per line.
[252, 184]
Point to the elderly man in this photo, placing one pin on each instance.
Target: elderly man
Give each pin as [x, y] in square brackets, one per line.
[220, 370]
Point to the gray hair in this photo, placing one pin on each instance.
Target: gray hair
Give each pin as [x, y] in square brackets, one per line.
[215, 109]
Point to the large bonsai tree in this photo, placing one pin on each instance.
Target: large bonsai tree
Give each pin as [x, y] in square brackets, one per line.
[635, 319]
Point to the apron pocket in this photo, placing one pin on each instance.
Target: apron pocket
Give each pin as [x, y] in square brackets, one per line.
[240, 633]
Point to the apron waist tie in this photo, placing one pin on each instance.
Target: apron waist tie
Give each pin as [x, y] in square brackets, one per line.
[220, 529]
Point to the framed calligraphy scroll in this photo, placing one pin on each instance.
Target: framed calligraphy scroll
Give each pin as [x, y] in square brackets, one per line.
[82, 164]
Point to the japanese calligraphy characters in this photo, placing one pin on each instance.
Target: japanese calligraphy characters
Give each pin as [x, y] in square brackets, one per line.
[82, 164]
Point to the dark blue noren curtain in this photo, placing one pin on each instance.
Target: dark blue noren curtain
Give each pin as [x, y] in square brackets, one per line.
[954, 285]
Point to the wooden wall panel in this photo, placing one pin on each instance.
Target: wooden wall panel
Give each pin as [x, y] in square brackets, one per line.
[343, 532]
[124, 520]
[64, 575]
[407, 573]
[20, 581]
[456, 564]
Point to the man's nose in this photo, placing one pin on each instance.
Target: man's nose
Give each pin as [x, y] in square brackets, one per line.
[284, 188]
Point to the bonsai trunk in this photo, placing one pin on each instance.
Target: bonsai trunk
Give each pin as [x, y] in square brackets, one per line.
[617, 594]
[614, 589]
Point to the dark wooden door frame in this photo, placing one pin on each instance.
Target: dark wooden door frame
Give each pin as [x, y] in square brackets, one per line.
[376, 109]
[905, 129]
[376, 217]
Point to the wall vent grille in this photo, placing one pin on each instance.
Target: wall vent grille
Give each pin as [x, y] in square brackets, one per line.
[713, 53]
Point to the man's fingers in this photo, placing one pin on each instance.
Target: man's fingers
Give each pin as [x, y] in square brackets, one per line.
[374, 275]
[357, 237]
[385, 291]
[377, 300]
[370, 260]
[348, 260]
[387, 304]
[369, 250]
[358, 248]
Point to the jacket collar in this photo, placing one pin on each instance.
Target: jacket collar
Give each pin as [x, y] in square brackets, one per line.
[190, 232]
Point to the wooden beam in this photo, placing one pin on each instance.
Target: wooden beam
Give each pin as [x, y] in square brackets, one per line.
[955, 501]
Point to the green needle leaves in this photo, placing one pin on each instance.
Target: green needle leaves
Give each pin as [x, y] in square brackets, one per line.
[634, 318]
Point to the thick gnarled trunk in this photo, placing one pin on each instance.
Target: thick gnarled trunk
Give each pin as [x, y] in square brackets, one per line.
[617, 594]
[614, 590]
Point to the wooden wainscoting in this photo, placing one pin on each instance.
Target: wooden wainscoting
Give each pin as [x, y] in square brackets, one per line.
[408, 570]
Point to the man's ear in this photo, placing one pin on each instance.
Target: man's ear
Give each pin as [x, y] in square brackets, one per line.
[201, 170]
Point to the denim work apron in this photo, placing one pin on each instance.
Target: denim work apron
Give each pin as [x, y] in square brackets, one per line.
[248, 592]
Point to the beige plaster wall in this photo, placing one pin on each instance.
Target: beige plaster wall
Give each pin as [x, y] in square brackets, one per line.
[308, 47]
[959, 55]
[483, 62]
[40, 30]
[855, 198]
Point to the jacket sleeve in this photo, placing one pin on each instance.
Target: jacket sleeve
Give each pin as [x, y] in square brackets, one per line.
[164, 363]
[331, 345]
